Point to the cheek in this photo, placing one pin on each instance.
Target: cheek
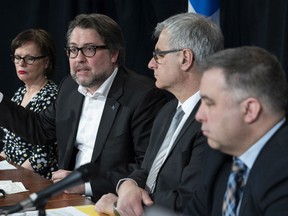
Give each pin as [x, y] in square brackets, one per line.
[228, 124]
[99, 62]
[16, 67]
[170, 76]
[217, 120]
[163, 80]
[72, 64]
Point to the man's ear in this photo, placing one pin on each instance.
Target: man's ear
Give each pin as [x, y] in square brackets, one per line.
[187, 58]
[251, 109]
[115, 56]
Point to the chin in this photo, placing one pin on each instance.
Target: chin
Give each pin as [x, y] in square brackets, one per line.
[160, 86]
[81, 80]
[213, 144]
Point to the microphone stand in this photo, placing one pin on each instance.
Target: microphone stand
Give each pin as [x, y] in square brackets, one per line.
[39, 199]
[41, 209]
[40, 206]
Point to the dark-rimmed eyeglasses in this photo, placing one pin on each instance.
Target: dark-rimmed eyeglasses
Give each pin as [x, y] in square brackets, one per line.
[158, 55]
[87, 51]
[27, 59]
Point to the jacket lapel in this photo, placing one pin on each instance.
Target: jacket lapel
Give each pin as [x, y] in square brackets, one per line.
[261, 161]
[70, 151]
[109, 114]
[187, 124]
[160, 136]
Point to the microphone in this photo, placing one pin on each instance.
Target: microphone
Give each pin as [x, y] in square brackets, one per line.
[83, 174]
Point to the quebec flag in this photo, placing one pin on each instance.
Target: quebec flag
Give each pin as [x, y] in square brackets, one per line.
[208, 8]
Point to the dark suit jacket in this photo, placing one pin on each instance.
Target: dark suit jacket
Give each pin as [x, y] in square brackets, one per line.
[266, 190]
[181, 170]
[133, 102]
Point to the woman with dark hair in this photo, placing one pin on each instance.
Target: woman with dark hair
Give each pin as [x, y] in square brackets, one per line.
[33, 56]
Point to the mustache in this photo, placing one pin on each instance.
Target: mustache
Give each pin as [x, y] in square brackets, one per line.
[80, 66]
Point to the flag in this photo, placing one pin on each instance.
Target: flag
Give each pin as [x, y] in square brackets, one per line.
[208, 8]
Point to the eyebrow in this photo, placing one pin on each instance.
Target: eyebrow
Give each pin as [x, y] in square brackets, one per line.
[86, 44]
[205, 97]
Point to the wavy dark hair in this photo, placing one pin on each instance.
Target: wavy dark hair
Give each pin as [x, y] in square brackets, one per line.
[109, 31]
[43, 40]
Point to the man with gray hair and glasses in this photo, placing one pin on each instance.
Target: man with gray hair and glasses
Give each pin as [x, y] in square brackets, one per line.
[171, 167]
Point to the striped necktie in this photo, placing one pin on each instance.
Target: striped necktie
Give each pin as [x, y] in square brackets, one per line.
[235, 186]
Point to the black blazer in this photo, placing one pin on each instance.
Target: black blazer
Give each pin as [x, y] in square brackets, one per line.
[180, 172]
[266, 190]
[133, 102]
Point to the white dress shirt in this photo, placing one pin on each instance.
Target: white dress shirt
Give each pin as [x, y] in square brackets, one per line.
[89, 123]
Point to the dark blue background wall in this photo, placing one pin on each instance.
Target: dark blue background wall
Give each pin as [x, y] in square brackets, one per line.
[244, 22]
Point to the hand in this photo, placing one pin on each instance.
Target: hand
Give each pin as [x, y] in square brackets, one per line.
[105, 204]
[2, 154]
[131, 199]
[27, 165]
[61, 174]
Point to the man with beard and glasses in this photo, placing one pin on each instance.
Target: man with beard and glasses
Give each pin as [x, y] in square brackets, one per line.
[103, 113]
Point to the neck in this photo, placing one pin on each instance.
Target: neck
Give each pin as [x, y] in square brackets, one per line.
[256, 131]
[186, 90]
[32, 90]
[36, 86]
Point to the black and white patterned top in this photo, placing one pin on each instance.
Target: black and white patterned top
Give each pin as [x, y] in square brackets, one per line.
[43, 159]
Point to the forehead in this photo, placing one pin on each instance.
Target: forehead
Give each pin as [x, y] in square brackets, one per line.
[213, 82]
[28, 47]
[162, 40]
[84, 36]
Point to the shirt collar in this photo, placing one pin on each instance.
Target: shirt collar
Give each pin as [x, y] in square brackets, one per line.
[190, 103]
[251, 154]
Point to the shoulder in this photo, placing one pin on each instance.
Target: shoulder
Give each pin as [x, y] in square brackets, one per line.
[18, 95]
[49, 92]
[281, 137]
[132, 78]
[68, 83]
[165, 112]
[51, 87]
[276, 147]
[169, 106]
[273, 158]
[128, 85]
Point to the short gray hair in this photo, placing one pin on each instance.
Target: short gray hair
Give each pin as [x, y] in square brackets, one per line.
[192, 31]
[252, 72]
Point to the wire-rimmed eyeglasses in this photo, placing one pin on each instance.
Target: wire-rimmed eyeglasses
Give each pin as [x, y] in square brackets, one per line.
[87, 51]
[157, 55]
[27, 59]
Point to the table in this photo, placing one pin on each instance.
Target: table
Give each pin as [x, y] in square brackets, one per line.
[34, 183]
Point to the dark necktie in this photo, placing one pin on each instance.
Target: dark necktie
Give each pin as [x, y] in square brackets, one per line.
[235, 186]
[163, 151]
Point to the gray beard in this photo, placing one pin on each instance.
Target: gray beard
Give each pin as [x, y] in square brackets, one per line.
[96, 82]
